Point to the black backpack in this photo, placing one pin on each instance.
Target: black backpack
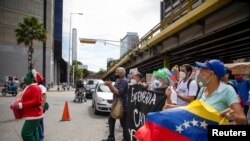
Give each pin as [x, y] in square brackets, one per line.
[188, 85]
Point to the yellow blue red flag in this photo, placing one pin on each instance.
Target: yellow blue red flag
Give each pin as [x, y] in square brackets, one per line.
[180, 124]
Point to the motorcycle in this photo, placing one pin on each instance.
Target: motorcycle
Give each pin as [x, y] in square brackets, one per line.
[9, 89]
[80, 95]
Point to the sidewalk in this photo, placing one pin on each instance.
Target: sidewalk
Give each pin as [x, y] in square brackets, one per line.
[59, 88]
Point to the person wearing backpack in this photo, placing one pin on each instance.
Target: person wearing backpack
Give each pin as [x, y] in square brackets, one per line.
[187, 88]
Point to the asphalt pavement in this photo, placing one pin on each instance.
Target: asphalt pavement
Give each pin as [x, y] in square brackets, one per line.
[84, 125]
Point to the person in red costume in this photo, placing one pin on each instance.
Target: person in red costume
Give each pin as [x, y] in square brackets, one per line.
[31, 105]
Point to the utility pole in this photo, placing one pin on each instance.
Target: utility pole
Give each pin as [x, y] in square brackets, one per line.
[44, 43]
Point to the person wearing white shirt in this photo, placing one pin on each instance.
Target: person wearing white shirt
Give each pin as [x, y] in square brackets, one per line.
[187, 88]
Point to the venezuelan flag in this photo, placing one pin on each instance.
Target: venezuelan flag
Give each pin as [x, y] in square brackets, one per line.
[180, 124]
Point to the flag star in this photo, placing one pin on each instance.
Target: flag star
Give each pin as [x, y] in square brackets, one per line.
[204, 124]
[179, 129]
[194, 122]
[186, 124]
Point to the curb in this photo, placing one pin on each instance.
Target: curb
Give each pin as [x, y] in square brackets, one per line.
[55, 90]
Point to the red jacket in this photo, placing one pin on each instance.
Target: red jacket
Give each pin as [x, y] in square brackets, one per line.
[32, 102]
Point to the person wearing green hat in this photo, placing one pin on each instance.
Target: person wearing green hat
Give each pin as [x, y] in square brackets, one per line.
[30, 102]
[161, 83]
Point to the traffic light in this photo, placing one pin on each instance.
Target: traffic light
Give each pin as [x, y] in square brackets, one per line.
[87, 41]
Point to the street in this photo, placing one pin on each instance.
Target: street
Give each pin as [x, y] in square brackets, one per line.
[83, 126]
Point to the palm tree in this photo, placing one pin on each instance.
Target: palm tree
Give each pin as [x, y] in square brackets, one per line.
[31, 29]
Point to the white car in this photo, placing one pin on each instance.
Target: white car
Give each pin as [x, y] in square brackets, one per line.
[102, 98]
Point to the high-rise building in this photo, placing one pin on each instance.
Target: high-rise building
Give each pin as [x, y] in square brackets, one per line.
[74, 44]
[13, 57]
[168, 6]
[131, 40]
[60, 65]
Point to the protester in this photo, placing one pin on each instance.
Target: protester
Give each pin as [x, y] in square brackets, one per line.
[161, 83]
[31, 104]
[119, 89]
[243, 86]
[187, 87]
[218, 94]
[225, 79]
[175, 74]
[137, 79]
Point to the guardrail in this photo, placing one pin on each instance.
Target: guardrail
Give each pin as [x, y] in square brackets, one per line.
[174, 17]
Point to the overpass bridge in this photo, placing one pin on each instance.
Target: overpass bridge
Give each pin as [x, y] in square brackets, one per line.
[194, 30]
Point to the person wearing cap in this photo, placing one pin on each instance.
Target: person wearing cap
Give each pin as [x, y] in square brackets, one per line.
[218, 94]
[31, 105]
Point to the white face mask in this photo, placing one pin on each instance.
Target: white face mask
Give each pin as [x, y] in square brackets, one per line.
[202, 82]
[133, 82]
[157, 84]
[182, 75]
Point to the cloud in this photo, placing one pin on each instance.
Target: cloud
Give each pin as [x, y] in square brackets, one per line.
[110, 19]
[95, 56]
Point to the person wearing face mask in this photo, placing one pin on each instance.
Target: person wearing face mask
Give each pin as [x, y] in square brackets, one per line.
[215, 92]
[136, 78]
[162, 84]
[187, 88]
[243, 87]
[120, 88]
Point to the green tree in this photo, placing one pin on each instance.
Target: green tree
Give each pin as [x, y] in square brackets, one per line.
[101, 73]
[85, 73]
[30, 29]
[78, 73]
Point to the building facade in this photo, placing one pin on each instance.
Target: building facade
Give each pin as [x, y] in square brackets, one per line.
[13, 57]
[131, 40]
[60, 67]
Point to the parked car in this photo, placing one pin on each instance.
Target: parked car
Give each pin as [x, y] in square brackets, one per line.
[102, 98]
[91, 86]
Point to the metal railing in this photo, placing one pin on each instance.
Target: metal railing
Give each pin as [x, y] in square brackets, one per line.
[178, 11]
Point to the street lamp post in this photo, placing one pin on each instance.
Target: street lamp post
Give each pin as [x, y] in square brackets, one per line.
[70, 45]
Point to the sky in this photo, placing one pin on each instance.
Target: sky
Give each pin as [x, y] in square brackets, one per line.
[110, 20]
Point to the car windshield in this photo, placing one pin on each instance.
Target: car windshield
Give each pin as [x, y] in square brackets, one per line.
[92, 82]
[92, 86]
[103, 88]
